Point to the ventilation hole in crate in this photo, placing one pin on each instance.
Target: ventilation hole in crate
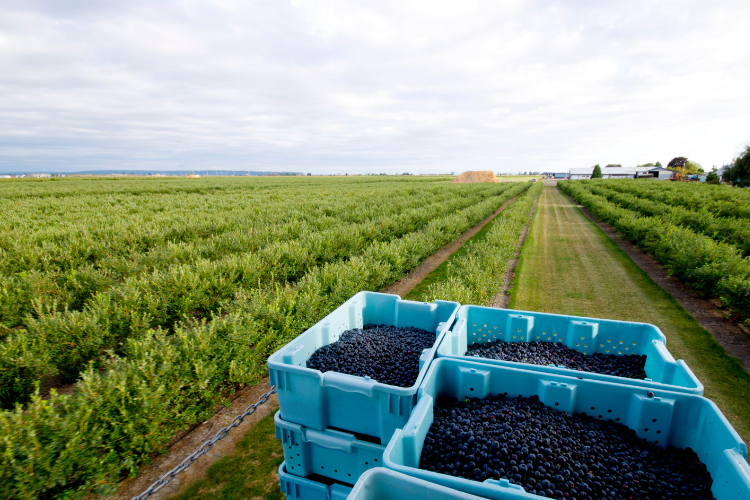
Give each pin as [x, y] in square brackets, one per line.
[292, 467]
[367, 463]
[376, 459]
[471, 389]
[322, 467]
[495, 327]
[505, 393]
[609, 411]
[514, 336]
[557, 404]
[485, 326]
[619, 352]
[653, 420]
[577, 345]
[600, 416]
[555, 335]
[475, 334]
[475, 324]
[584, 353]
[617, 419]
[297, 454]
[607, 350]
[608, 340]
[335, 470]
[645, 430]
[484, 335]
[627, 348]
[621, 341]
[633, 343]
[585, 345]
[480, 329]
[583, 413]
[349, 475]
[519, 329]
[296, 444]
[494, 336]
[593, 407]
[601, 345]
[549, 338]
[656, 442]
[544, 333]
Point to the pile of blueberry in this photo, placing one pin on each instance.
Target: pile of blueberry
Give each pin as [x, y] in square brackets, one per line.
[555, 353]
[556, 455]
[386, 354]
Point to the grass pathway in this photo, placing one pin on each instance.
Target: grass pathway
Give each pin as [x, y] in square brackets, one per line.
[570, 266]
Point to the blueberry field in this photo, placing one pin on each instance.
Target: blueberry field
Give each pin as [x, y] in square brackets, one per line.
[131, 309]
[151, 300]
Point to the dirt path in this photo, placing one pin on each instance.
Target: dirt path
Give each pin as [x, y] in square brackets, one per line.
[502, 298]
[570, 266]
[187, 443]
[407, 284]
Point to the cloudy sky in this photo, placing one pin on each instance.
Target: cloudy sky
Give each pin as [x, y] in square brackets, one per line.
[379, 86]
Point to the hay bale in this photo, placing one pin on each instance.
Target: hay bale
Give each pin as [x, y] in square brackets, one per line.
[476, 176]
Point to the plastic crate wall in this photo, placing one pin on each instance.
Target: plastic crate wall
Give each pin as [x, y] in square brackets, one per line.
[384, 484]
[357, 404]
[300, 488]
[330, 453]
[665, 418]
[475, 324]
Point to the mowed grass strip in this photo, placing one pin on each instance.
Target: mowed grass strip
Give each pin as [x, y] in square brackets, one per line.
[570, 266]
[251, 471]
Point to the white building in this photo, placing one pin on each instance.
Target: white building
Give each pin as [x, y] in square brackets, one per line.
[581, 173]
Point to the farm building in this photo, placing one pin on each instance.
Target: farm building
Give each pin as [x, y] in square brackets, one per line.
[581, 173]
[562, 175]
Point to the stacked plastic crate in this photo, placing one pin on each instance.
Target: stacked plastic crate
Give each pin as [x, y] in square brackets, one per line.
[666, 408]
[343, 423]
[335, 426]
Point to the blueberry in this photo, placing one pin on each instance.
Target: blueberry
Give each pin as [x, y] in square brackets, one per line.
[556, 455]
[386, 354]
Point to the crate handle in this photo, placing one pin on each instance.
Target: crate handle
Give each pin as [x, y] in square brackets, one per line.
[341, 442]
[503, 483]
[349, 383]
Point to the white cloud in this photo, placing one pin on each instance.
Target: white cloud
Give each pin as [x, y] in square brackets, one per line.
[334, 86]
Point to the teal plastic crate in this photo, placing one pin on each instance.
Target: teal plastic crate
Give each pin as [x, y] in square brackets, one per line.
[475, 324]
[665, 418]
[384, 484]
[301, 488]
[356, 404]
[330, 453]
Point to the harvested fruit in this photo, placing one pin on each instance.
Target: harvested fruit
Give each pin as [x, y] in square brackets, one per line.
[555, 353]
[554, 454]
[384, 353]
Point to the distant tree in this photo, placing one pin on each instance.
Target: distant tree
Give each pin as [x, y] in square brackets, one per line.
[712, 177]
[613, 165]
[647, 165]
[657, 164]
[309, 174]
[677, 163]
[597, 174]
[692, 167]
[739, 173]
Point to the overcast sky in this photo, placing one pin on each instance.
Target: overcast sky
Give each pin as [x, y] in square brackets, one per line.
[379, 86]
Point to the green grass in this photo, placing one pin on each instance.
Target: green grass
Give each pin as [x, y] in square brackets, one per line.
[589, 275]
[250, 472]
